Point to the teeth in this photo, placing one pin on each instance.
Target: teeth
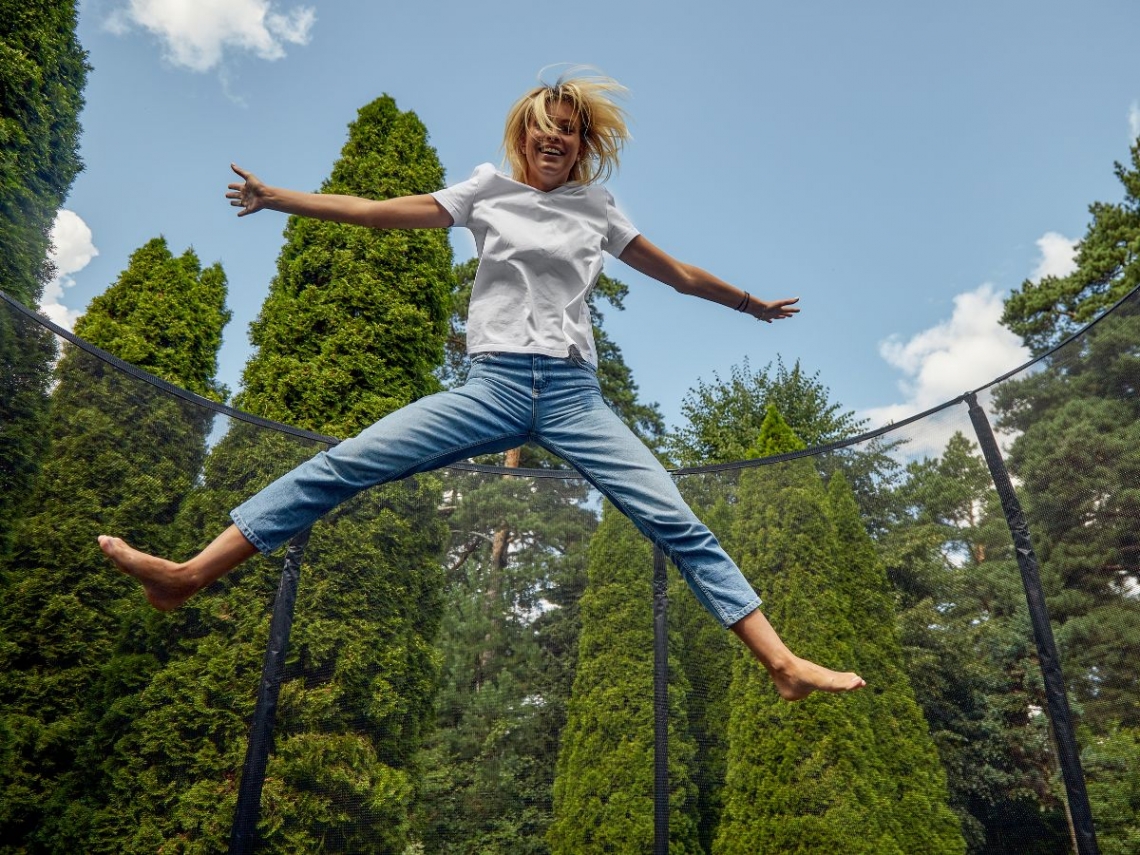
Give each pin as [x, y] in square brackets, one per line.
[549, 150]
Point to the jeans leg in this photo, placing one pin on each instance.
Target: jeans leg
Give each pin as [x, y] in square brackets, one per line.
[477, 418]
[576, 424]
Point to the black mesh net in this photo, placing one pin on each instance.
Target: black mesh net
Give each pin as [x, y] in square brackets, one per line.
[469, 663]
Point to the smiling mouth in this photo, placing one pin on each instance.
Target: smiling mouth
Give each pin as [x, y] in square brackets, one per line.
[548, 149]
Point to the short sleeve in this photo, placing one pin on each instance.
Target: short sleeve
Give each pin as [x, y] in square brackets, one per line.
[620, 231]
[458, 199]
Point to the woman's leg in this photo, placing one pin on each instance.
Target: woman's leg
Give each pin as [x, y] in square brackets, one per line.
[479, 418]
[577, 425]
[168, 584]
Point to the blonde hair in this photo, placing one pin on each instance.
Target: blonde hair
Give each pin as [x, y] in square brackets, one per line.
[601, 120]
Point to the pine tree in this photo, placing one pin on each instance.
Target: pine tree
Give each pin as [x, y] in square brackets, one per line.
[353, 328]
[802, 776]
[43, 70]
[603, 792]
[1046, 312]
[123, 457]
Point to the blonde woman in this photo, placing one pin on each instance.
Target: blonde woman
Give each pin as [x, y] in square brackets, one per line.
[540, 234]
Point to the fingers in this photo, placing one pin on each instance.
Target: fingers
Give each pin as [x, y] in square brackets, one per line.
[244, 195]
[777, 310]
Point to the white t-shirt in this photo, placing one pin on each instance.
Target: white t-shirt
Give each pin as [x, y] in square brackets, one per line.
[540, 255]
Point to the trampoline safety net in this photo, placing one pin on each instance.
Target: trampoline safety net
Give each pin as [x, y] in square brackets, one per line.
[491, 660]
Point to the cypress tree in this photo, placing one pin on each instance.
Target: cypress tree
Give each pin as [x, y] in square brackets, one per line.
[832, 772]
[43, 70]
[123, 457]
[353, 327]
[603, 792]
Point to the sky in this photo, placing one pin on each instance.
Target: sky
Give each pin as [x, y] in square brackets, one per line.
[899, 166]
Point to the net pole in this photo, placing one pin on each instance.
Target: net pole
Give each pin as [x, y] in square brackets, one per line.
[243, 834]
[660, 706]
[1057, 701]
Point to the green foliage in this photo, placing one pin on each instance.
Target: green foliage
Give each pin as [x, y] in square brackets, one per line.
[1076, 457]
[1108, 267]
[352, 329]
[969, 651]
[514, 569]
[725, 417]
[355, 320]
[43, 70]
[603, 793]
[122, 459]
[801, 776]
[1111, 764]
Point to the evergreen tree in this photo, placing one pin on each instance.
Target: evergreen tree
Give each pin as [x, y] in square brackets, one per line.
[802, 776]
[969, 651]
[43, 70]
[123, 457]
[518, 549]
[603, 792]
[352, 328]
[1044, 313]
[724, 419]
[1077, 461]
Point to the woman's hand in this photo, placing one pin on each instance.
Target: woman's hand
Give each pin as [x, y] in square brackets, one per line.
[249, 195]
[774, 310]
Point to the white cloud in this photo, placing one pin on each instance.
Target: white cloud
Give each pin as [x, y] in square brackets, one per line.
[72, 250]
[196, 34]
[1058, 256]
[1134, 120]
[950, 358]
[959, 355]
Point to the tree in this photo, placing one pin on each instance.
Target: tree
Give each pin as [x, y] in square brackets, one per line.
[1045, 313]
[603, 792]
[969, 651]
[43, 70]
[1076, 457]
[123, 457]
[801, 776]
[724, 417]
[370, 307]
[724, 421]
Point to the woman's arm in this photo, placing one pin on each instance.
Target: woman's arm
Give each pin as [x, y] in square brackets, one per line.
[404, 212]
[645, 258]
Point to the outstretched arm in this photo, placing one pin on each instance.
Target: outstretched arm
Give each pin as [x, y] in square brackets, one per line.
[404, 212]
[645, 258]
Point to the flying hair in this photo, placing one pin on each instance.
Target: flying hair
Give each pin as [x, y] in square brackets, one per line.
[602, 121]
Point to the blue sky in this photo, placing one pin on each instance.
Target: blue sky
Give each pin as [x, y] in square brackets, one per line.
[900, 166]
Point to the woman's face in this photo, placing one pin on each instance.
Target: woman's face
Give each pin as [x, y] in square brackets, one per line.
[551, 157]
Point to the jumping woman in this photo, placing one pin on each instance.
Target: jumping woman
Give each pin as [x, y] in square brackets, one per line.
[540, 233]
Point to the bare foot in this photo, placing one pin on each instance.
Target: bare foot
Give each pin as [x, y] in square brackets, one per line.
[167, 585]
[800, 677]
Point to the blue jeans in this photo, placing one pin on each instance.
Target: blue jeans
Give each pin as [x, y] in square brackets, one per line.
[510, 399]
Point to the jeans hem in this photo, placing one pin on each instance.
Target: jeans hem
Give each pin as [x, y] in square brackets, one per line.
[248, 533]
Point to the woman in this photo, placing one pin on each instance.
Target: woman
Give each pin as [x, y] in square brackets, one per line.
[540, 235]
